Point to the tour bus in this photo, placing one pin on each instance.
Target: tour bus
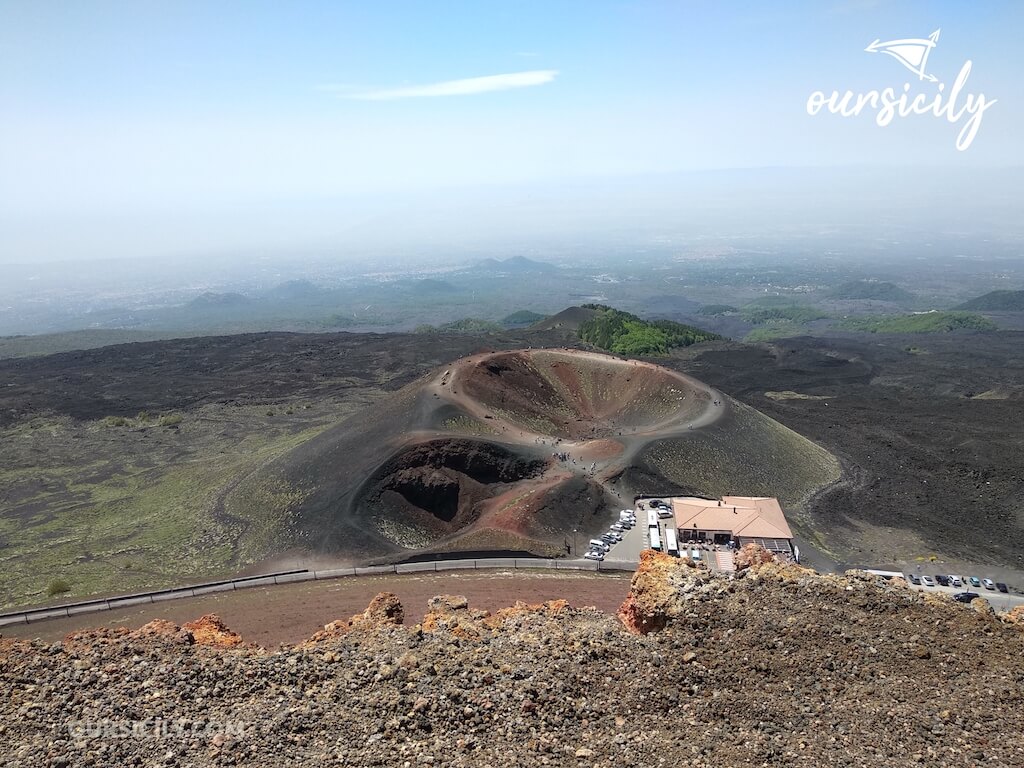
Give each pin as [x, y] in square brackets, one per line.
[652, 517]
[671, 546]
[655, 538]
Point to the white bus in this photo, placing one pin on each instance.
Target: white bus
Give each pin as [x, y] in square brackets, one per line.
[655, 538]
[671, 546]
[652, 517]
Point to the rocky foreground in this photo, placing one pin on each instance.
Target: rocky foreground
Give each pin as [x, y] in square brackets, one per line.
[777, 666]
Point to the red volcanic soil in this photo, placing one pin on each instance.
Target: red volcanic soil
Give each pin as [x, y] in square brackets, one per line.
[577, 395]
[291, 613]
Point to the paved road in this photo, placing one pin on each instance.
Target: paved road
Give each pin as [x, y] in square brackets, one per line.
[997, 600]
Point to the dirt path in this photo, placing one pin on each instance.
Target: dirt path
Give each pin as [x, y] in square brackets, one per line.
[291, 613]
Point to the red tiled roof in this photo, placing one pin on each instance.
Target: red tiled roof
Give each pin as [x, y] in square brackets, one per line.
[751, 516]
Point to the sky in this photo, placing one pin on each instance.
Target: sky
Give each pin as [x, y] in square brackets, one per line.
[152, 128]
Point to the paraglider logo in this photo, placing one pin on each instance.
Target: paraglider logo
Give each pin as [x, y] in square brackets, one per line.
[911, 53]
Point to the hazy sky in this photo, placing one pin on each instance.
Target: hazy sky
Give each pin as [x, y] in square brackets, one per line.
[149, 127]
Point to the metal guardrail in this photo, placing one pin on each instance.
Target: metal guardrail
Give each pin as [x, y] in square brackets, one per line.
[33, 615]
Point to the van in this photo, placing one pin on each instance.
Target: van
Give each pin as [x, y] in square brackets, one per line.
[598, 544]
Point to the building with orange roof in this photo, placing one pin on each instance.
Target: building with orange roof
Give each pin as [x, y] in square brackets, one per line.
[737, 520]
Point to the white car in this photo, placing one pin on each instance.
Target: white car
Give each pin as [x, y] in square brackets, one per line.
[928, 581]
[988, 583]
[594, 555]
[617, 527]
[954, 581]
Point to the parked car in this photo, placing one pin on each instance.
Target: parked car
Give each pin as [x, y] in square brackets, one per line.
[975, 581]
[989, 584]
[1002, 587]
[954, 581]
[965, 597]
[928, 581]
[913, 578]
[594, 555]
[943, 580]
[617, 527]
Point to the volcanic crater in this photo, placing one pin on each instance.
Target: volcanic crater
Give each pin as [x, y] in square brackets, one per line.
[515, 450]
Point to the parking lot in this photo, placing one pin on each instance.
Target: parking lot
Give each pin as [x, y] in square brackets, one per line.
[636, 539]
[998, 600]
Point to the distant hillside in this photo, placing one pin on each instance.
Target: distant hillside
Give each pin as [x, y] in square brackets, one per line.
[874, 290]
[521, 318]
[714, 310]
[518, 264]
[996, 301]
[626, 334]
[568, 319]
[293, 289]
[211, 300]
[925, 322]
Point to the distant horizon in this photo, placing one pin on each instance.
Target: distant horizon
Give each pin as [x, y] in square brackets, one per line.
[158, 130]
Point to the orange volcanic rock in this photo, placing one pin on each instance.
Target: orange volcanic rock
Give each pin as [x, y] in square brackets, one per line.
[1015, 617]
[660, 588]
[210, 630]
[753, 554]
[451, 613]
[162, 629]
[384, 610]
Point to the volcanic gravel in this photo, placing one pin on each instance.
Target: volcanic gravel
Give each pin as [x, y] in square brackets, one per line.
[777, 666]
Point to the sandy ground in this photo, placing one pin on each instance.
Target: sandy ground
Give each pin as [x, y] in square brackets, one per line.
[291, 613]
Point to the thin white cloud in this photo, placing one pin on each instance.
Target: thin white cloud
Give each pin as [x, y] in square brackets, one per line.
[467, 87]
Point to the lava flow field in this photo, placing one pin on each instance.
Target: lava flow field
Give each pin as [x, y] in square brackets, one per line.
[512, 451]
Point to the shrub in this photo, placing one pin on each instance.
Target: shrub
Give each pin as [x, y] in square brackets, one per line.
[57, 587]
[170, 419]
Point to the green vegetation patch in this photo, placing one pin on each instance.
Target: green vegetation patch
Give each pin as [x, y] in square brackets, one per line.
[925, 322]
[626, 334]
[790, 313]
